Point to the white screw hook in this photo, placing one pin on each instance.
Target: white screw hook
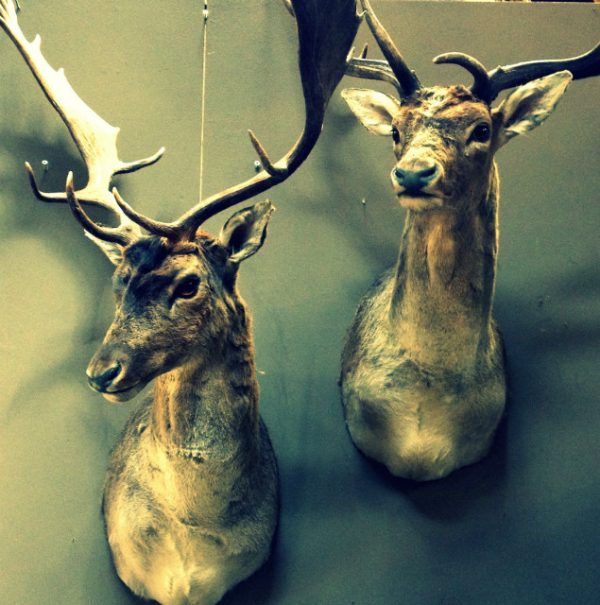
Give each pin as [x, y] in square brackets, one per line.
[45, 168]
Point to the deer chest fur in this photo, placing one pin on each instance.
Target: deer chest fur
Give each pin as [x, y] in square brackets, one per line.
[182, 530]
[419, 396]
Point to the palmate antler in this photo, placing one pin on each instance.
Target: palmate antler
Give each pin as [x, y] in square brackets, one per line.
[487, 84]
[95, 138]
[325, 33]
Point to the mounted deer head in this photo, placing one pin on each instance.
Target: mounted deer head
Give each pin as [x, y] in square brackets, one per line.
[321, 67]
[190, 499]
[445, 137]
[422, 374]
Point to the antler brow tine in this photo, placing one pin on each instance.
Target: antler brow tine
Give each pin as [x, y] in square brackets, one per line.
[104, 233]
[481, 84]
[165, 229]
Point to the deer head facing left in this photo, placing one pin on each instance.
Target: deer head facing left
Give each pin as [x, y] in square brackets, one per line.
[175, 300]
[445, 138]
[175, 287]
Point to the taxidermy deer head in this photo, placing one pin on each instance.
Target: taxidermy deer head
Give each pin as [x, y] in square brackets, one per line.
[190, 499]
[177, 258]
[422, 376]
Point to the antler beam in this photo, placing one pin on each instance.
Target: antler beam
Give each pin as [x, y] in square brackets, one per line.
[408, 83]
[488, 84]
[325, 34]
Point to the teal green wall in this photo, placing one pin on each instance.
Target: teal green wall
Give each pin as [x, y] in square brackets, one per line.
[521, 527]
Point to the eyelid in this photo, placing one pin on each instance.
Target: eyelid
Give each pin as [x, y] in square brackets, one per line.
[478, 125]
[185, 278]
[181, 282]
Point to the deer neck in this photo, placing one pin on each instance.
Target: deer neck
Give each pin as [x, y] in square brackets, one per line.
[444, 282]
[207, 409]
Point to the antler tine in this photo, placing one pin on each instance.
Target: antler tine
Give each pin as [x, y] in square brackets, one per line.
[95, 138]
[408, 81]
[325, 33]
[289, 7]
[106, 234]
[509, 76]
[156, 227]
[371, 69]
[481, 84]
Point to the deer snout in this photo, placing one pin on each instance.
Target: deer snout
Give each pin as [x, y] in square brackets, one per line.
[417, 177]
[112, 373]
[101, 374]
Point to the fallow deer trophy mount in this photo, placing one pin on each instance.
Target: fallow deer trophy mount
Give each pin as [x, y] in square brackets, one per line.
[423, 378]
[190, 499]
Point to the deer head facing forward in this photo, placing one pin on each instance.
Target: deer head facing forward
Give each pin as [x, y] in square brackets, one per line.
[445, 138]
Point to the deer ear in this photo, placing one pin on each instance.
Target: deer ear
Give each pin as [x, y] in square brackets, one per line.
[529, 105]
[244, 232]
[113, 252]
[374, 109]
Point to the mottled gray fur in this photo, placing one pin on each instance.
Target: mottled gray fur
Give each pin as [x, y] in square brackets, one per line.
[423, 380]
[190, 500]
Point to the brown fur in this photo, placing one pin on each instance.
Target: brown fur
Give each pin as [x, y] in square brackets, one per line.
[190, 499]
[423, 381]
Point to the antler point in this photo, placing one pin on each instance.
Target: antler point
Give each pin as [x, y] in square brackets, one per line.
[350, 54]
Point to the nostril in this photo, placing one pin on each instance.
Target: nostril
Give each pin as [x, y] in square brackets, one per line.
[113, 372]
[100, 382]
[428, 173]
[400, 175]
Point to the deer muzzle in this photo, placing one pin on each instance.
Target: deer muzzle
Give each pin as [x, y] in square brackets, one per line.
[107, 373]
[416, 178]
[416, 181]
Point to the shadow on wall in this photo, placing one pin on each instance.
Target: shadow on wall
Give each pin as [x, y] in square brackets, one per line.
[53, 229]
[362, 211]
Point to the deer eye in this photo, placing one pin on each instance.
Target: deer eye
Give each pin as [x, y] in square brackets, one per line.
[188, 288]
[395, 135]
[481, 133]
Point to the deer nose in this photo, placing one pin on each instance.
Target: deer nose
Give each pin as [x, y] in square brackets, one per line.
[101, 380]
[415, 180]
